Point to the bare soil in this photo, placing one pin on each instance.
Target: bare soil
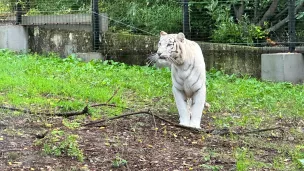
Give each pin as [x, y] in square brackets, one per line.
[144, 142]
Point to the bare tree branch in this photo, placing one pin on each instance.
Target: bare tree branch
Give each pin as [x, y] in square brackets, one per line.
[269, 13]
[256, 10]
[284, 11]
[238, 12]
[285, 20]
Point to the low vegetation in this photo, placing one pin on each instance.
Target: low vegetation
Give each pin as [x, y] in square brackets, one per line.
[50, 84]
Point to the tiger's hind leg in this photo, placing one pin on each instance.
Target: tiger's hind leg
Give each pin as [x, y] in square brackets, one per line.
[181, 104]
[198, 101]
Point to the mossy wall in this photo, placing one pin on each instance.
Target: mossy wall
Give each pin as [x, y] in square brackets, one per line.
[134, 49]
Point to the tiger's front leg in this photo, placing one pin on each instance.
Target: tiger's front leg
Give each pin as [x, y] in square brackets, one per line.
[181, 103]
[197, 107]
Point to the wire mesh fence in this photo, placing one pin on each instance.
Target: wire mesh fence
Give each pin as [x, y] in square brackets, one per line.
[14, 10]
[258, 23]
[247, 22]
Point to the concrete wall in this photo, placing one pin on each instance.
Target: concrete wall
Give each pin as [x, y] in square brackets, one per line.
[61, 41]
[130, 49]
[233, 59]
[280, 67]
[13, 37]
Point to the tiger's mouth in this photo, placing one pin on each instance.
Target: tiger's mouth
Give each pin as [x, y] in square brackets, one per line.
[162, 57]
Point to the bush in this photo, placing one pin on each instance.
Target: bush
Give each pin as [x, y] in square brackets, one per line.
[143, 17]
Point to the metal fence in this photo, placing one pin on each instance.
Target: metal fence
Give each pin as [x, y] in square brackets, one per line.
[251, 22]
[262, 23]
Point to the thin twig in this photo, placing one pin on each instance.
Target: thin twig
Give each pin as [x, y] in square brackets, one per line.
[153, 120]
[111, 105]
[260, 130]
[228, 132]
[115, 92]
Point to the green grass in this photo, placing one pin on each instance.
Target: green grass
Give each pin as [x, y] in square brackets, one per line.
[51, 83]
[48, 82]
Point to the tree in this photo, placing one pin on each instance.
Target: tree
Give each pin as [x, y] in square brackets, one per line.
[144, 17]
[244, 21]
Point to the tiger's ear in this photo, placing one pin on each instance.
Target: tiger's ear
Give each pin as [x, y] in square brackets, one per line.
[181, 37]
[162, 33]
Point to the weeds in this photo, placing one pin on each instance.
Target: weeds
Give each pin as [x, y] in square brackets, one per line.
[60, 143]
[119, 162]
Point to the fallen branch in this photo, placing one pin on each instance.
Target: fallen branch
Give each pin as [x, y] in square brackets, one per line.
[106, 104]
[142, 112]
[66, 114]
[85, 110]
[228, 132]
[212, 131]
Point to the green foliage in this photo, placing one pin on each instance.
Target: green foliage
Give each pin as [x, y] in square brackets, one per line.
[136, 16]
[245, 160]
[38, 7]
[211, 167]
[70, 124]
[233, 94]
[5, 7]
[297, 155]
[229, 31]
[119, 162]
[50, 82]
[60, 143]
[32, 81]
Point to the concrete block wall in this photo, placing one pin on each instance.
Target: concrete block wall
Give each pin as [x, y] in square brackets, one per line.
[283, 67]
[13, 37]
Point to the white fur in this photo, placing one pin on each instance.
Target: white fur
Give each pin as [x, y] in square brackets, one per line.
[188, 75]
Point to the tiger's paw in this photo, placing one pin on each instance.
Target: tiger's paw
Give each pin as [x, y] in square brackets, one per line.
[195, 125]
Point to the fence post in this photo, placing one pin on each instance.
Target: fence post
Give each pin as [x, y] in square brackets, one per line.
[292, 26]
[186, 22]
[95, 25]
[18, 12]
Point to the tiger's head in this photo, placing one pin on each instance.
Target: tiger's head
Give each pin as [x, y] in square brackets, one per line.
[170, 50]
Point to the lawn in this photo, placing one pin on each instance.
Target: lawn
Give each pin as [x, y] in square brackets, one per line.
[46, 85]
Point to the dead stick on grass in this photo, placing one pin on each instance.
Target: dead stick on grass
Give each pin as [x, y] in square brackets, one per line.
[228, 132]
[115, 92]
[110, 105]
[142, 112]
[65, 114]
[214, 132]
[107, 103]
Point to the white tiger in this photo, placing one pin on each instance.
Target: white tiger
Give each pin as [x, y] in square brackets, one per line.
[188, 74]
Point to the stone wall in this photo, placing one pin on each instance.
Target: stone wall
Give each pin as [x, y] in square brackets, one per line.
[134, 49]
[233, 59]
[62, 41]
[130, 49]
[14, 38]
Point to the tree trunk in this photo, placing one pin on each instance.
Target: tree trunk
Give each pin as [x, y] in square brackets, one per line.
[285, 20]
[238, 12]
[256, 9]
[269, 13]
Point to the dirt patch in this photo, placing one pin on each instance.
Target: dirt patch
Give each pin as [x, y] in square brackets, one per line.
[138, 142]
